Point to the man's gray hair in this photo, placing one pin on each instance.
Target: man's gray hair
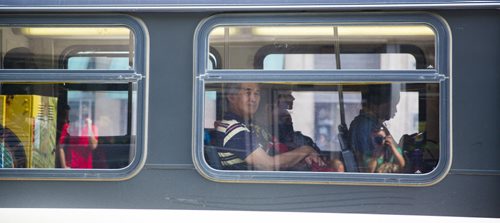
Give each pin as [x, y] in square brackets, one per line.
[232, 88]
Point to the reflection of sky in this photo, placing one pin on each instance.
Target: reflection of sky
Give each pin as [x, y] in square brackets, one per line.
[404, 122]
[210, 104]
[274, 62]
[108, 110]
[306, 103]
[75, 95]
[106, 63]
[210, 95]
[301, 61]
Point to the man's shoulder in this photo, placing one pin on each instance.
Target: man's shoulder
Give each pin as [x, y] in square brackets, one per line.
[363, 120]
[227, 126]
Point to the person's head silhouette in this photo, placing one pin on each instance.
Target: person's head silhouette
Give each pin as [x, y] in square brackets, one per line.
[19, 58]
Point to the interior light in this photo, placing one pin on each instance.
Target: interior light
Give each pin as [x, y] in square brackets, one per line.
[419, 30]
[220, 31]
[75, 31]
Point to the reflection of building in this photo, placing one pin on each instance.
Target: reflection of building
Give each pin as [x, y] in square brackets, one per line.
[322, 120]
[33, 119]
[3, 152]
[316, 111]
[107, 109]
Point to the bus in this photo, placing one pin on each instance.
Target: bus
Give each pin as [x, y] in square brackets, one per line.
[162, 110]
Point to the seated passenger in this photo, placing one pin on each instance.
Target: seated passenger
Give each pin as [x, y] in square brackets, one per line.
[13, 148]
[370, 139]
[246, 145]
[292, 139]
[19, 58]
[386, 156]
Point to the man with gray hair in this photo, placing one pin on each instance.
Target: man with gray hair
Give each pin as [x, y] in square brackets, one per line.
[245, 145]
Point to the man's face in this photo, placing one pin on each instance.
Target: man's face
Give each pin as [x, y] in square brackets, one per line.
[246, 101]
[285, 100]
[388, 110]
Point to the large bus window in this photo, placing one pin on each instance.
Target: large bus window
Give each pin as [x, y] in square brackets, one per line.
[294, 127]
[322, 98]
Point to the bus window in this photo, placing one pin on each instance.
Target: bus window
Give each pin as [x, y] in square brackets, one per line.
[283, 119]
[326, 98]
[71, 113]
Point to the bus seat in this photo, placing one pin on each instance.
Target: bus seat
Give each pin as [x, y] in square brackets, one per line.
[210, 151]
[212, 157]
[348, 156]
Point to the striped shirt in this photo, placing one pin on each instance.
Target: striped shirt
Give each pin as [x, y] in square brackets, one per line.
[237, 140]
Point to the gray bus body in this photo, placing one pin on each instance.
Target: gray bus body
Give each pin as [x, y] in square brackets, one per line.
[169, 180]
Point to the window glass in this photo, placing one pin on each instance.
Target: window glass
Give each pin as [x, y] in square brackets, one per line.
[64, 125]
[392, 127]
[296, 61]
[98, 62]
[376, 47]
[45, 48]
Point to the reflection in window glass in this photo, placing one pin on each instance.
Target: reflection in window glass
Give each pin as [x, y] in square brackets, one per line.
[108, 108]
[98, 62]
[28, 47]
[386, 61]
[377, 47]
[80, 126]
[393, 128]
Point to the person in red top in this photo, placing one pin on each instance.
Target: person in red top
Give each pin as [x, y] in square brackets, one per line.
[77, 143]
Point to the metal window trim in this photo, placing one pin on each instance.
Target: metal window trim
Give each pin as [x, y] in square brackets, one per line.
[211, 6]
[441, 74]
[137, 76]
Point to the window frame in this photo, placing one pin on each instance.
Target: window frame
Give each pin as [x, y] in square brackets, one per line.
[441, 75]
[137, 76]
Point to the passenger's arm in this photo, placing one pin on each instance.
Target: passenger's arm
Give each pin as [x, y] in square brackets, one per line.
[92, 130]
[398, 156]
[372, 164]
[260, 160]
[314, 158]
[93, 142]
[372, 161]
[62, 158]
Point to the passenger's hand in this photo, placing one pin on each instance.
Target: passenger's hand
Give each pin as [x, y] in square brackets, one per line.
[88, 121]
[408, 141]
[389, 141]
[314, 158]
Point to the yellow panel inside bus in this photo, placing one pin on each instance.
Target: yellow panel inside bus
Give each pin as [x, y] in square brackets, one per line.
[33, 119]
